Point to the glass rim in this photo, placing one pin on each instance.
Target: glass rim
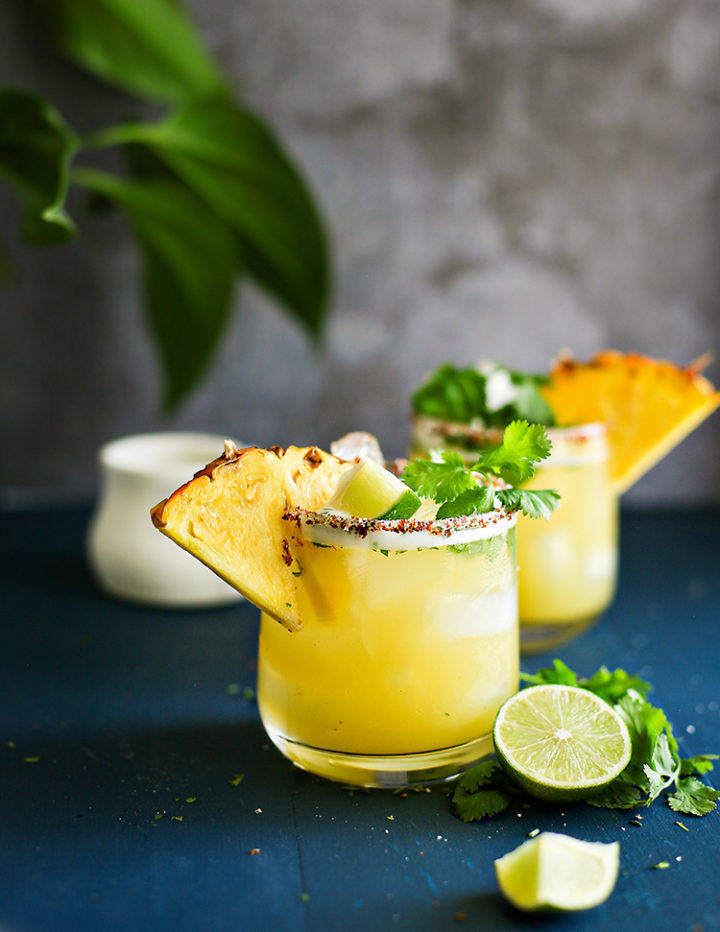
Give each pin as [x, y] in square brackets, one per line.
[478, 431]
[336, 529]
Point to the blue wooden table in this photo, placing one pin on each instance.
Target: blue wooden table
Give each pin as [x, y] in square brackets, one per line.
[138, 790]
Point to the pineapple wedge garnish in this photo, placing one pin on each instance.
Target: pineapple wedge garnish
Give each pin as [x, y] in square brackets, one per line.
[229, 516]
[648, 405]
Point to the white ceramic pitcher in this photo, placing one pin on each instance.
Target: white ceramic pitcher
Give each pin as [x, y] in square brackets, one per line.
[131, 559]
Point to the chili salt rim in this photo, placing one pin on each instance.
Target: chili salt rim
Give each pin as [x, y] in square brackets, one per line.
[478, 432]
[578, 445]
[573, 445]
[336, 529]
[475, 431]
[579, 433]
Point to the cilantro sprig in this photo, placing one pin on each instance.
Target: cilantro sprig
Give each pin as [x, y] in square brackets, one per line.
[655, 766]
[451, 483]
[482, 792]
[463, 395]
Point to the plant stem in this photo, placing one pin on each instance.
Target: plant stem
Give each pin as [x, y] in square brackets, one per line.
[93, 178]
[118, 135]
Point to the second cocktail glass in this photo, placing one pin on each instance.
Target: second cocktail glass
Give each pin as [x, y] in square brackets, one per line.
[568, 566]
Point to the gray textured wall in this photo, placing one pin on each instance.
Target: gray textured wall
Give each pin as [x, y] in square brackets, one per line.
[502, 178]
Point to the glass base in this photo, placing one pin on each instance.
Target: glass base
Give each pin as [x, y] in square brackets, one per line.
[385, 771]
[536, 637]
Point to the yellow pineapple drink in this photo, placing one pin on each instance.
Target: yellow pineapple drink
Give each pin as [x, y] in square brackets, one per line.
[568, 566]
[408, 646]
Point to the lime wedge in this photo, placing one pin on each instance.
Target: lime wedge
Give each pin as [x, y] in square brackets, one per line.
[558, 872]
[368, 490]
[404, 507]
[560, 742]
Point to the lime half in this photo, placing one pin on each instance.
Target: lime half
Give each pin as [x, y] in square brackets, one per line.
[560, 742]
[558, 872]
[368, 490]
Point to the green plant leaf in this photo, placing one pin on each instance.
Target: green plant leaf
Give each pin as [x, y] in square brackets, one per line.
[515, 458]
[231, 159]
[663, 769]
[189, 262]
[483, 774]
[441, 478]
[451, 394]
[693, 797]
[143, 164]
[613, 685]
[149, 48]
[470, 502]
[461, 395]
[646, 724]
[481, 792]
[536, 503]
[620, 794]
[36, 147]
[701, 763]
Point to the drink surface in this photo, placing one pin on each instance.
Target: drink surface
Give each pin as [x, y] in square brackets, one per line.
[400, 651]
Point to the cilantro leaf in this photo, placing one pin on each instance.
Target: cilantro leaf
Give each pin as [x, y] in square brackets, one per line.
[534, 503]
[663, 769]
[701, 763]
[559, 673]
[645, 724]
[441, 479]
[612, 686]
[451, 394]
[693, 797]
[481, 792]
[458, 489]
[620, 794]
[481, 774]
[470, 502]
[482, 804]
[462, 395]
[515, 458]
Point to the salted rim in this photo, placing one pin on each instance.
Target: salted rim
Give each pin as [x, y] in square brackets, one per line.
[572, 432]
[576, 434]
[334, 529]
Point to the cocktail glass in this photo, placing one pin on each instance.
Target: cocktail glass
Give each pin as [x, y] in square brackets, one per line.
[567, 565]
[408, 646]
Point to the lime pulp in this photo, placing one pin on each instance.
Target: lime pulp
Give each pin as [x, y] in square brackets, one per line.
[560, 742]
[558, 872]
